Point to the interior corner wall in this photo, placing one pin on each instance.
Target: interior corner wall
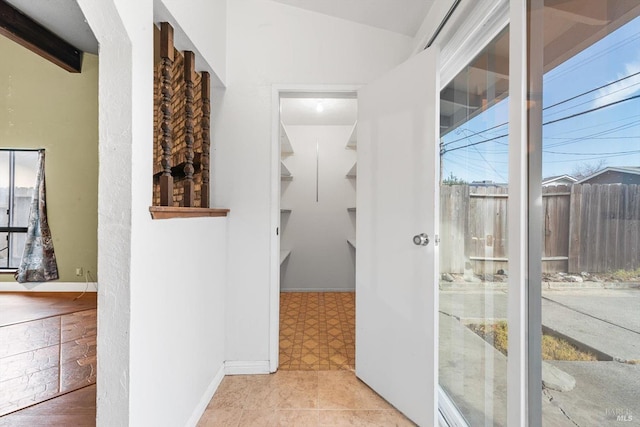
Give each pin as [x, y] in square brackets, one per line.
[205, 22]
[162, 284]
[272, 43]
[48, 107]
[317, 228]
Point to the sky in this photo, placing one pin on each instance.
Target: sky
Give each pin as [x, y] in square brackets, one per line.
[609, 135]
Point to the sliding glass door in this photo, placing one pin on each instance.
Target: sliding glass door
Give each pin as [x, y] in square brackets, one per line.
[474, 191]
[584, 73]
[539, 289]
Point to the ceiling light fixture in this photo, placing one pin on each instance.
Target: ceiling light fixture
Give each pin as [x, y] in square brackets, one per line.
[319, 107]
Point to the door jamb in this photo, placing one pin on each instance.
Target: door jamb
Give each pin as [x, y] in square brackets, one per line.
[277, 91]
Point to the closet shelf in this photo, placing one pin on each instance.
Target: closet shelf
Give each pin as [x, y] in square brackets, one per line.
[284, 255]
[352, 144]
[285, 174]
[351, 209]
[285, 142]
[353, 172]
[352, 242]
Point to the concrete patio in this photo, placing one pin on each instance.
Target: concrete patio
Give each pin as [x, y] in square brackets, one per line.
[606, 321]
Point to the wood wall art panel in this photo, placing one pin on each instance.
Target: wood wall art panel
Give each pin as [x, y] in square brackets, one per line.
[181, 128]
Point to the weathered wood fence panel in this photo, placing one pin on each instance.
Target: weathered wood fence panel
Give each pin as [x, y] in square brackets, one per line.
[556, 201]
[487, 234]
[591, 228]
[604, 228]
[453, 226]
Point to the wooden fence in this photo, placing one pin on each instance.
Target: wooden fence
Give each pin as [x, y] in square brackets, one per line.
[590, 228]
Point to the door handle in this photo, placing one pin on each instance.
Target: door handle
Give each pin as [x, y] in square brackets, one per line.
[421, 239]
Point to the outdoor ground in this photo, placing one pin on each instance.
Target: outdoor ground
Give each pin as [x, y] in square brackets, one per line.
[602, 316]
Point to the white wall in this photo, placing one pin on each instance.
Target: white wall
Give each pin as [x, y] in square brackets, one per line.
[204, 22]
[317, 232]
[271, 43]
[161, 290]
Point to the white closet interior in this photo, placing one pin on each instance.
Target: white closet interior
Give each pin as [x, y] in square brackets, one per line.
[318, 194]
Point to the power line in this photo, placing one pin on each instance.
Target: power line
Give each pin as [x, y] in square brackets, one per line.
[593, 135]
[551, 106]
[592, 90]
[592, 154]
[474, 144]
[474, 133]
[595, 55]
[626, 88]
[587, 159]
[489, 164]
[591, 110]
[443, 151]
[597, 137]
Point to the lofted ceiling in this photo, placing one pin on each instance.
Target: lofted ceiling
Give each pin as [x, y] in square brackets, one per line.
[61, 17]
[64, 17]
[399, 16]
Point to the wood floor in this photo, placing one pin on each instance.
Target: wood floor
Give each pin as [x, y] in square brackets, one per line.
[17, 307]
[75, 409]
[317, 331]
[47, 349]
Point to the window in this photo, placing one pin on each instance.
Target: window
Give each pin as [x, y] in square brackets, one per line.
[17, 181]
[474, 194]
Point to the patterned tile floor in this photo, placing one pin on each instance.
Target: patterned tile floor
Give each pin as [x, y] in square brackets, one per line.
[317, 331]
[302, 398]
[315, 384]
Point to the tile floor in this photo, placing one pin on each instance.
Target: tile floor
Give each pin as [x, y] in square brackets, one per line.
[315, 384]
[317, 331]
[299, 398]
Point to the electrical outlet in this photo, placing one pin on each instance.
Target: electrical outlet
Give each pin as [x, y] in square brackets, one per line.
[79, 271]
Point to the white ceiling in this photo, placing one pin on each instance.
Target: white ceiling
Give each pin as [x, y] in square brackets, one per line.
[303, 111]
[399, 16]
[63, 18]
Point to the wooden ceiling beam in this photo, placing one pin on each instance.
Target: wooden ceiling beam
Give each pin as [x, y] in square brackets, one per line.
[23, 30]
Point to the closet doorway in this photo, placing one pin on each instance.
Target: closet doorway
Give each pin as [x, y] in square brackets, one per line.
[316, 230]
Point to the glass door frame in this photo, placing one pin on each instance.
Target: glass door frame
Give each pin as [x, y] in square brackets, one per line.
[479, 24]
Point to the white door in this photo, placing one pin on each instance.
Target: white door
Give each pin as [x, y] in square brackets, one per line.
[396, 286]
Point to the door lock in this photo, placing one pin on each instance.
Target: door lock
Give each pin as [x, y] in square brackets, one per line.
[421, 239]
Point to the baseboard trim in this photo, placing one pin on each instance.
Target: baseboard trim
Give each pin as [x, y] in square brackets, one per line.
[253, 367]
[49, 287]
[318, 290]
[206, 398]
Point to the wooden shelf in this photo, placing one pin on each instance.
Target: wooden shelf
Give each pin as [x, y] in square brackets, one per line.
[284, 255]
[285, 142]
[351, 209]
[352, 144]
[353, 172]
[168, 212]
[352, 242]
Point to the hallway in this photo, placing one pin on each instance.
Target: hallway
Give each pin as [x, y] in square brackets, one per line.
[317, 331]
[299, 398]
[315, 384]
